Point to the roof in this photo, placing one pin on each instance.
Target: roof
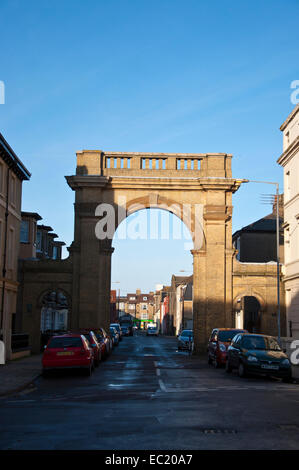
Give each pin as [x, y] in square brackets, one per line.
[13, 162]
[45, 227]
[178, 280]
[33, 215]
[265, 224]
[290, 117]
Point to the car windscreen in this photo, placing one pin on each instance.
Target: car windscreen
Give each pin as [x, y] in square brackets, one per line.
[227, 335]
[58, 343]
[260, 342]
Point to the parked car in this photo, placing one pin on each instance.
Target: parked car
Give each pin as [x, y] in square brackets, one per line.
[114, 335]
[118, 329]
[95, 345]
[218, 343]
[69, 351]
[258, 354]
[125, 330]
[185, 340]
[104, 341]
[93, 342]
[152, 330]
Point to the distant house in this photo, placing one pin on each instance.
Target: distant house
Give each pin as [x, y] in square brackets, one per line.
[256, 243]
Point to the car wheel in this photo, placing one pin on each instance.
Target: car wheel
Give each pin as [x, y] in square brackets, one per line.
[209, 360]
[45, 373]
[228, 368]
[88, 371]
[241, 370]
[288, 380]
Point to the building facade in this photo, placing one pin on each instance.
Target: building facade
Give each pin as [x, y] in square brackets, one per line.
[12, 175]
[289, 160]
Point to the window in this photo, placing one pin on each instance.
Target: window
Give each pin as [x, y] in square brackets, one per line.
[144, 298]
[13, 190]
[55, 252]
[24, 232]
[11, 248]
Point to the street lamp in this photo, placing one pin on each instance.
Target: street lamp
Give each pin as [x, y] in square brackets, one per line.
[277, 244]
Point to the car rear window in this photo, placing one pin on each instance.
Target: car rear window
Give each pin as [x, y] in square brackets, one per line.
[227, 335]
[75, 342]
[187, 333]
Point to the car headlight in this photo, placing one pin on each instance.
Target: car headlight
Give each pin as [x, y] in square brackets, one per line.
[252, 359]
[222, 347]
[285, 362]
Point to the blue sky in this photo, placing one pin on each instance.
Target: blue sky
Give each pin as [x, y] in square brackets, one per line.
[154, 76]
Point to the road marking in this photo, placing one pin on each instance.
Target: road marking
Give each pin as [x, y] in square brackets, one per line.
[162, 386]
[166, 389]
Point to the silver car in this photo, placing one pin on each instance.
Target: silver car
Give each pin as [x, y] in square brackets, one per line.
[152, 330]
[185, 340]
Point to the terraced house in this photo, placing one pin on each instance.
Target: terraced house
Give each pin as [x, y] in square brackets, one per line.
[12, 174]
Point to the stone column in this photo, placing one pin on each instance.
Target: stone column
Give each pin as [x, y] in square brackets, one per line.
[199, 300]
[105, 252]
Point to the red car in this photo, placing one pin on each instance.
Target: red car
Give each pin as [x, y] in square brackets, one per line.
[104, 340]
[219, 341]
[68, 351]
[94, 344]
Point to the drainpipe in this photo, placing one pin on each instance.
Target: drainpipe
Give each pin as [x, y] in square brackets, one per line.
[4, 254]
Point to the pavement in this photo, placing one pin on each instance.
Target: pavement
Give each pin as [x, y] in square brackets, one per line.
[18, 375]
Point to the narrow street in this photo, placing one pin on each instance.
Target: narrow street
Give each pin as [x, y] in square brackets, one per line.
[147, 395]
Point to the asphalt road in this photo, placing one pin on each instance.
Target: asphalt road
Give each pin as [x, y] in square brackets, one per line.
[147, 395]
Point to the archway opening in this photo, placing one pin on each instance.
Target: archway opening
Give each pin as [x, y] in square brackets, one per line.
[248, 314]
[152, 266]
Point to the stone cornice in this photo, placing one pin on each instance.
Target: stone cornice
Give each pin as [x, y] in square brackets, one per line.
[185, 183]
[86, 181]
[289, 153]
[290, 117]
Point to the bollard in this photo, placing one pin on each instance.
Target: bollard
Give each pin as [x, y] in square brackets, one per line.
[2, 353]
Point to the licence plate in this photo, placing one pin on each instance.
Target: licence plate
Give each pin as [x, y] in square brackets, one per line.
[269, 366]
[65, 353]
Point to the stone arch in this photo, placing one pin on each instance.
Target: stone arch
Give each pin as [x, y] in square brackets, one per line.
[250, 293]
[203, 181]
[51, 288]
[191, 217]
[249, 308]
